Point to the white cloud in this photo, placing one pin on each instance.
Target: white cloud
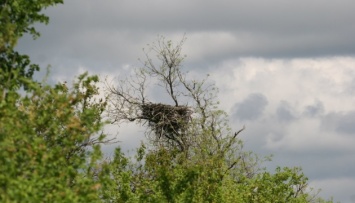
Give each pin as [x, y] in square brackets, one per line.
[308, 93]
[128, 136]
[300, 82]
[225, 38]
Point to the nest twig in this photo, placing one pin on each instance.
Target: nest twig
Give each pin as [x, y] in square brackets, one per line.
[166, 121]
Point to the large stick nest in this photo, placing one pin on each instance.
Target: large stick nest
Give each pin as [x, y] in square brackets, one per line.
[166, 120]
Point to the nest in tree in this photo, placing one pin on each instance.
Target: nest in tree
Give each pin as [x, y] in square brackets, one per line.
[166, 120]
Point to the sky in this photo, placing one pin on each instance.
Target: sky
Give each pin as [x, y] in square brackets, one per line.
[285, 69]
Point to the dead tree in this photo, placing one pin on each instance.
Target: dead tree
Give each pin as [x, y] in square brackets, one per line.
[174, 124]
[168, 123]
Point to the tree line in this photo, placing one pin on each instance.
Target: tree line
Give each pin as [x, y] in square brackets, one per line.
[51, 135]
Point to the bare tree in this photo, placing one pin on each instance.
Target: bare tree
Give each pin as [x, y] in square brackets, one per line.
[191, 122]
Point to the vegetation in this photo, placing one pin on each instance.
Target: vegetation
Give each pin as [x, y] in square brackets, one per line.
[192, 154]
[51, 136]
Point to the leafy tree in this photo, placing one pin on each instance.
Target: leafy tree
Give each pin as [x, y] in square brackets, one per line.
[192, 155]
[50, 136]
[17, 18]
[45, 139]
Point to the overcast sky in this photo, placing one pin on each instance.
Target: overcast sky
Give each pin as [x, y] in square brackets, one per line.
[285, 69]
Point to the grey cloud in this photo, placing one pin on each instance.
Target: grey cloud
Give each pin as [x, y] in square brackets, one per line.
[314, 110]
[250, 108]
[351, 88]
[116, 30]
[322, 158]
[330, 162]
[284, 112]
[341, 122]
[274, 16]
[105, 35]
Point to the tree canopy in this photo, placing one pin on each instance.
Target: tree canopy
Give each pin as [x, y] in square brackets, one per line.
[51, 135]
[192, 153]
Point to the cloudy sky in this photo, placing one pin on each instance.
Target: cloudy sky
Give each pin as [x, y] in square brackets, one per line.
[285, 69]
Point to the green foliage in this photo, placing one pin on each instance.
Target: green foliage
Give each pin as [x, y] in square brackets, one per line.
[45, 139]
[205, 162]
[14, 70]
[18, 16]
[165, 176]
[50, 136]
